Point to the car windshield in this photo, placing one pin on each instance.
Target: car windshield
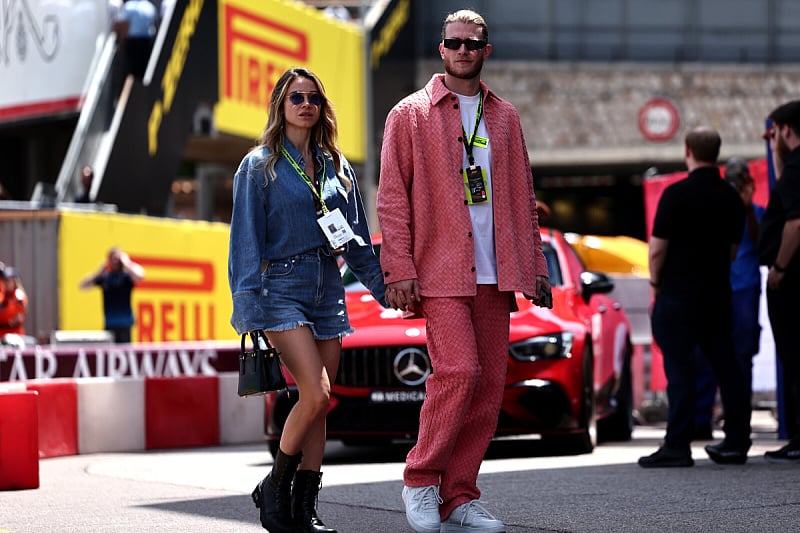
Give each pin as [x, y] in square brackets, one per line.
[351, 283]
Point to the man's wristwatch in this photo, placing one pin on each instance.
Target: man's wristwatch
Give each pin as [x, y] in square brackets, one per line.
[778, 268]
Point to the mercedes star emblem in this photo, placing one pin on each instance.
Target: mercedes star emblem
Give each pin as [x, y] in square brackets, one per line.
[412, 366]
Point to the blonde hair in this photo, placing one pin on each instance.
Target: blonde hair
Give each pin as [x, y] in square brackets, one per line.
[467, 16]
[325, 132]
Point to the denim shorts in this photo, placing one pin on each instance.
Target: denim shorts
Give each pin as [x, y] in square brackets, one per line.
[305, 290]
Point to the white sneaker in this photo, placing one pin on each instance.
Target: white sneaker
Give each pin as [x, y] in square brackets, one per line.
[422, 508]
[472, 516]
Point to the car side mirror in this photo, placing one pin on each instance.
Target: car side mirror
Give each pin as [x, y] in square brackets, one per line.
[595, 283]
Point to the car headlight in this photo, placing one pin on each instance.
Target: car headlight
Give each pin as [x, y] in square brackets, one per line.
[553, 346]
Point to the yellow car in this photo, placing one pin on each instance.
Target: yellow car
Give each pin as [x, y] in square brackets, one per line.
[611, 255]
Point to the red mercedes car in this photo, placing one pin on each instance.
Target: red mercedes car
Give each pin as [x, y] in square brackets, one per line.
[569, 371]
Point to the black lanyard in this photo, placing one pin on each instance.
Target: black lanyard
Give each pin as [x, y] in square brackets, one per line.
[469, 144]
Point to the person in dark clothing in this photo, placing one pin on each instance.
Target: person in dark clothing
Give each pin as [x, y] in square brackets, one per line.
[745, 301]
[779, 243]
[137, 29]
[696, 233]
[87, 177]
[117, 277]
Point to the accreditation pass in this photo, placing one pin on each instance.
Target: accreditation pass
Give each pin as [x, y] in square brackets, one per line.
[335, 228]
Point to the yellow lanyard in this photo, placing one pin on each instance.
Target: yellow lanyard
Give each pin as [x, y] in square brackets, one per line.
[304, 176]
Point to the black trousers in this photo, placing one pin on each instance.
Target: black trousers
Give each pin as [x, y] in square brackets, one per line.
[782, 306]
[137, 55]
[121, 334]
[683, 325]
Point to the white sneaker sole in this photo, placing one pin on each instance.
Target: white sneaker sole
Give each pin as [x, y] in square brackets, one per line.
[456, 528]
[423, 528]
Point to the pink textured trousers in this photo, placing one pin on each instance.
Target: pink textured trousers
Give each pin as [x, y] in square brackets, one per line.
[468, 347]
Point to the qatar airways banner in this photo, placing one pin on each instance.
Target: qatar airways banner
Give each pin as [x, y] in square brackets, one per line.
[119, 361]
[653, 187]
[47, 50]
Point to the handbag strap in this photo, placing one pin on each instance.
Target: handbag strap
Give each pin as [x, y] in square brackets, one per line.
[255, 335]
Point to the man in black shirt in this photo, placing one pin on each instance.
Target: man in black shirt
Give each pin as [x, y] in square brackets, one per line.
[696, 232]
[117, 276]
[778, 248]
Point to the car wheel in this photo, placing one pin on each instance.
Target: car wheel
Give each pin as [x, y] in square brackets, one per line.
[371, 442]
[588, 439]
[619, 425]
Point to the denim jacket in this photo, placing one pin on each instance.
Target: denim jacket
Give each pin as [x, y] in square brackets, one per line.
[275, 218]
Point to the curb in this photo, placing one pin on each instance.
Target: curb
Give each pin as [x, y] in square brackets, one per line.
[94, 415]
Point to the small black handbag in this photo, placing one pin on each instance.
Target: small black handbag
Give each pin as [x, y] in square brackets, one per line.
[259, 369]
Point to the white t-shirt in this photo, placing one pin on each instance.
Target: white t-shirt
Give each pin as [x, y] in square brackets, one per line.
[482, 214]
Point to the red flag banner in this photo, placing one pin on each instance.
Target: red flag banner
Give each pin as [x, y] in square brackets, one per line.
[653, 187]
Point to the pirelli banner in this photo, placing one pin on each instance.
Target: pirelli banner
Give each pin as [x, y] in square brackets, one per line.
[184, 295]
[261, 39]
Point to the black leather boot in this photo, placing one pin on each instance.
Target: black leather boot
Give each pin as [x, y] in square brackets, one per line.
[304, 502]
[273, 494]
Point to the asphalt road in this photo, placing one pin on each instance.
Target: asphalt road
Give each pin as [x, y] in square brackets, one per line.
[529, 487]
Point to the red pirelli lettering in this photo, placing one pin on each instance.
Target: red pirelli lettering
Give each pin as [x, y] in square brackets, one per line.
[288, 42]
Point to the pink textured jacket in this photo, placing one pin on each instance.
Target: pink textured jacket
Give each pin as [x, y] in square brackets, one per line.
[422, 205]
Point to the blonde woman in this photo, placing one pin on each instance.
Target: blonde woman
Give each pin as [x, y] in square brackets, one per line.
[296, 207]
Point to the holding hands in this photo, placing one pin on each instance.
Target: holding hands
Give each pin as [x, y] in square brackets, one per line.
[403, 295]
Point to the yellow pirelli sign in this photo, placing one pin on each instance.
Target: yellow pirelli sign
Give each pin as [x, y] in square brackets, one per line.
[261, 39]
[184, 295]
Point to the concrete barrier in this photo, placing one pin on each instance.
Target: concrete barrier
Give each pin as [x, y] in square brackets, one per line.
[19, 440]
[241, 420]
[181, 412]
[58, 416]
[110, 415]
[95, 415]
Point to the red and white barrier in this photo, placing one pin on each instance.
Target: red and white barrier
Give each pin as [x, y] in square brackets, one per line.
[110, 415]
[58, 416]
[19, 456]
[181, 412]
[91, 415]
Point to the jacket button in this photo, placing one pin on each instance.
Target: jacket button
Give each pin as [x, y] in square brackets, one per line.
[455, 106]
[469, 234]
[466, 202]
[385, 274]
[460, 140]
[472, 269]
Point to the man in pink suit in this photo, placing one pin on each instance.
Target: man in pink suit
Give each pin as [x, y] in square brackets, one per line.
[460, 235]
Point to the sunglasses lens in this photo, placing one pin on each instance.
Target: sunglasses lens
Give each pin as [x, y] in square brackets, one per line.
[298, 98]
[471, 44]
[452, 44]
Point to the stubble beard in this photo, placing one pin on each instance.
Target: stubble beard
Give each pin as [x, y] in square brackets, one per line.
[470, 74]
